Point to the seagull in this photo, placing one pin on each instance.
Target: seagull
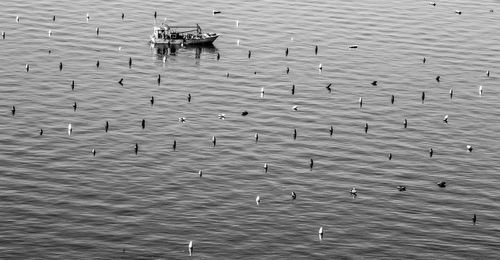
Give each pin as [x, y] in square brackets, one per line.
[441, 184]
[214, 12]
[93, 152]
[222, 116]
[354, 192]
[190, 248]
[266, 167]
[474, 219]
[458, 12]
[262, 93]
[390, 156]
[451, 93]
[405, 123]
[320, 67]
[70, 129]
[480, 90]
[17, 19]
[438, 78]
[320, 233]
[433, 3]
[401, 188]
[88, 17]
[469, 148]
[329, 88]
[360, 102]
[374, 83]
[431, 152]
[257, 200]
[182, 119]
[487, 73]
[294, 195]
[445, 120]
[200, 172]
[120, 81]
[295, 108]
[50, 33]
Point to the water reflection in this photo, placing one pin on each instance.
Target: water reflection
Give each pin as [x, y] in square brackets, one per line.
[162, 51]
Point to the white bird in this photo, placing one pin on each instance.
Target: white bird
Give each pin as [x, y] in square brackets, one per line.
[320, 67]
[238, 42]
[266, 167]
[469, 148]
[50, 33]
[222, 116]
[487, 73]
[17, 19]
[27, 67]
[480, 90]
[458, 12]
[451, 93]
[119, 48]
[257, 200]
[360, 102]
[88, 17]
[164, 59]
[93, 152]
[70, 129]
[200, 172]
[445, 119]
[354, 192]
[182, 119]
[320, 233]
[190, 248]
[262, 93]
[3, 35]
[295, 108]
[237, 23]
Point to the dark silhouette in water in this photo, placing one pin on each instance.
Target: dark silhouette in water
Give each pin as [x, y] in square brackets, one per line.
[360, 102]
[266, 167]
[249, 54]
[152, 100]
[392, 99]
[120, 81]
[3, 35]
[431, 152]
[244, 113]
[189, 97]
[374, 83]
[256, 137]
[214, 140]
[13, 110]
[143, 124]
[293, 89]
[366, 128]
[294, 195]
[97, 31]
[329, 88]
[423, 97]
[130, 62]
[474, 219]
[218, 56]
[451, 93]
[390, 156]
[136, 148]
[155, 15]
[287, 70]
[106, 127]
[331, 131]
[93, 152]
[60, 66]
[401, 188]
[441, 184]
[438, 78]
[423, 61]
[73, 85]
[316, 50]
[74, 106]
[97, 64]
[286, 52]
[311, 164]
[123, 16]
[174, 145]
[405, 123]
[294, 134]
[159, 79]
[41, 131]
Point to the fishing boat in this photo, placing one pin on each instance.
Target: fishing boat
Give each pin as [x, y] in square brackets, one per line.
[181, 35]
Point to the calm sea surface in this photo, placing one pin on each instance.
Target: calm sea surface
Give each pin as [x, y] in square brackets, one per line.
[58, 201]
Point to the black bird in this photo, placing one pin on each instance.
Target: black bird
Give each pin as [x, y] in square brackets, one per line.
[216, 12]
[374, 83]
[294, 134]
[331, 130]
[136, 148]
[474, 219]
[438, 78]
[41, 131]
[423, 61]
[293, 89]
[73, 85]
[249, 54]
[423, 96]
[294, 195]
[97, 31]
[287, 70]
[366, 128]
[130, 62]
[60, 66]
[74, 106]
[316, 50]
[329, 88]
[286, 52]
[152, 100]
[13, 110]
[54, 18]
[390, 156]
[405, 123]
[244, 113]
[189, 97]
[311, 164]
[123, 16]
[451, 93]
[174, 145]
[97, 64]
[155, 15]
[431, 152]
[218, 56]
[392, 99]
[106, 127]
[441, 184]
[120, 81]
[159, 79]
[27, 67]
[143, 124]
[401, 188]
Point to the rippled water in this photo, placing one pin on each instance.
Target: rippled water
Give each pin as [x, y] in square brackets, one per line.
[58, 201]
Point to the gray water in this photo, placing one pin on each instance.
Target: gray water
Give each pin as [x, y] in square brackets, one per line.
[58, 201]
